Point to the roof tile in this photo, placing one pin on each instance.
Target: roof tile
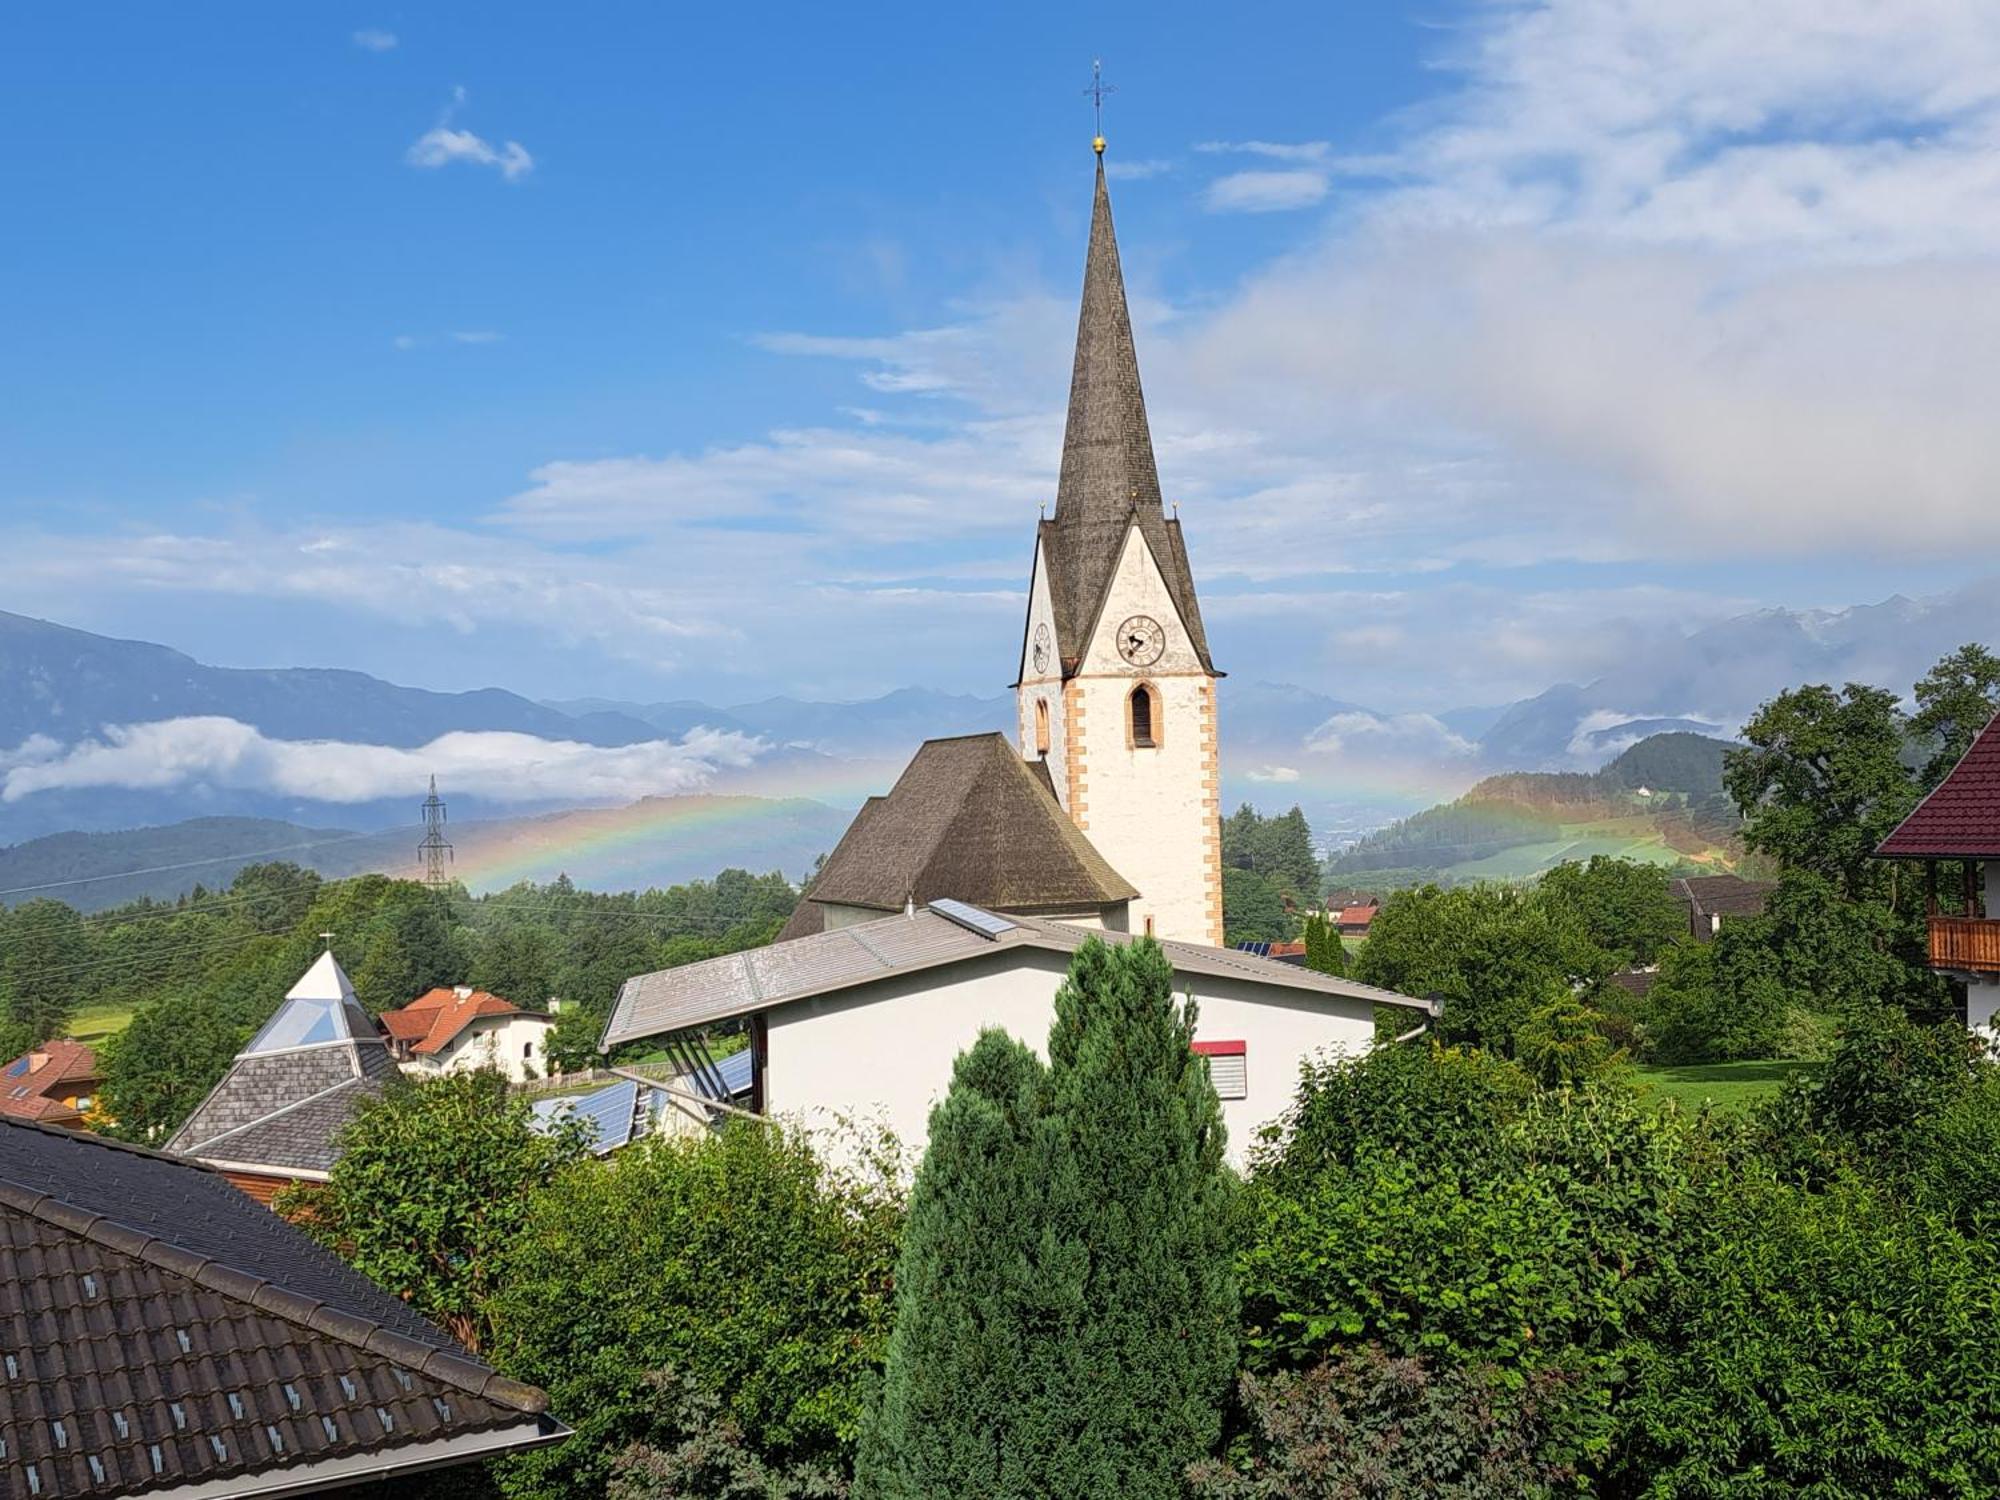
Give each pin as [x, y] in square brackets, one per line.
[1960, 819]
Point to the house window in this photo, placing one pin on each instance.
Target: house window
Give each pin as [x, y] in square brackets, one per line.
[1228, 1068]
[1041, 726]
[1143, 716]
[527, 1051]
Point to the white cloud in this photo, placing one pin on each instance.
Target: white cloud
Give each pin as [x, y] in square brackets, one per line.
[1295, 151]
[225, 754]
[1272, 775]
[1136, 171]
[372, 39]
[1264, 192]
[443, 144]
[1414, 735]
[476, 336]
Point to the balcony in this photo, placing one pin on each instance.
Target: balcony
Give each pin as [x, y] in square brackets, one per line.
[1966, 943]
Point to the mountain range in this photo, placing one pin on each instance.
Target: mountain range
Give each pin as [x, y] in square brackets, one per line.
[318, 749]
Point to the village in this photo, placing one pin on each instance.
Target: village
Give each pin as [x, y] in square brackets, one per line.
[1010, 1154]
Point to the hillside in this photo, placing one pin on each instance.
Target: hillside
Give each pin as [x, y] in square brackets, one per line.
[655, 842]
[1661, 801]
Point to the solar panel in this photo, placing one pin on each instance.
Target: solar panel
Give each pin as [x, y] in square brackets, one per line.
[16, 1068]
[972, 918]
[1254, 949]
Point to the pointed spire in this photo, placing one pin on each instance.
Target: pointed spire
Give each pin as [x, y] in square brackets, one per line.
[1107, 461]
[1108, 481]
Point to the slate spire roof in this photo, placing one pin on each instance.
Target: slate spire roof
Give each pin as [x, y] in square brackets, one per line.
[166, 1335]
[300, 1079]
[1109, 481]
[970, 819]
[1960, 819]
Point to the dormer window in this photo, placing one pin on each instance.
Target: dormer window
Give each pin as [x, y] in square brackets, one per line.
[1143, 717]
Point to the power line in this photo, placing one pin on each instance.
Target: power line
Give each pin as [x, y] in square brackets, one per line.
[190, 864]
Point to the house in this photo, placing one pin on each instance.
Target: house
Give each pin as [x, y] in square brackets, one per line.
[56, 1083]
[1354, 919]
[1712, 900]
[166, 1336]
[1955, 831]
[866, 1019]
[276, 1116]
[456, 1030]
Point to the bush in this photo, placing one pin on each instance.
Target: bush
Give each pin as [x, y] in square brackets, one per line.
[1366, 1423]
[1563, 1045]
[431, 1189]
[737, 1261]
[1722, 1001]
[1537, 1248]
[1495, 955]
[1823, 1343]
[710, 1456]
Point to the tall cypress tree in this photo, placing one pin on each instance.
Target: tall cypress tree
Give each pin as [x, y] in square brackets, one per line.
[1065, 1304]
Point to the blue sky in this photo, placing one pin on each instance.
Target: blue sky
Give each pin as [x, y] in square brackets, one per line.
[654, 352]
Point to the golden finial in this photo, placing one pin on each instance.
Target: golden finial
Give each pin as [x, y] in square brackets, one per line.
[1097, 90]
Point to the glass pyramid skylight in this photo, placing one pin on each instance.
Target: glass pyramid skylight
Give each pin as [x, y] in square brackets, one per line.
[319, 1009]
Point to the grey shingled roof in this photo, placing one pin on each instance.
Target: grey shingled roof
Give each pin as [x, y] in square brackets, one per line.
[163, 1330]
[1109, 481]
[968, 818]
[760, 978]
[283, 1109]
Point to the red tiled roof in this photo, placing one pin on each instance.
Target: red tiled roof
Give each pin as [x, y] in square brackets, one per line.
[435, 1017]
[1355, 916]
[32, 1085]
[1961, 818]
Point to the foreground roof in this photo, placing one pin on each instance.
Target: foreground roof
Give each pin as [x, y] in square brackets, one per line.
[432, 1021]
[944, 932]
[1108, 482]
[1960, 819]
[166, 1335]
[970, 819]
[282, 1104]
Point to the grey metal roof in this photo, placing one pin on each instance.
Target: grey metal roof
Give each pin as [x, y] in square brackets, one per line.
[845, 957]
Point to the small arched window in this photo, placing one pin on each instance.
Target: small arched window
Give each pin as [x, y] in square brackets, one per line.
[1041, 726]
[1143, 731]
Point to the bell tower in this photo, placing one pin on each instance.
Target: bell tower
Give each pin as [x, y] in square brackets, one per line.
[1116, 691]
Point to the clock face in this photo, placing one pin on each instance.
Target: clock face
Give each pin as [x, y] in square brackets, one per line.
[1140, 640]
[1041, 648]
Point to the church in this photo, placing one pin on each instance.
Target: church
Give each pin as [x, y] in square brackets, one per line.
[953, 902]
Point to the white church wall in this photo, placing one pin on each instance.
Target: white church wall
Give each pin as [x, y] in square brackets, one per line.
[884, 1053]
[1043, 685]
[1153, 812]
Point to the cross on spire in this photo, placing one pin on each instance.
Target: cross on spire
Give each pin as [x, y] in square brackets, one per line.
[1097, 90]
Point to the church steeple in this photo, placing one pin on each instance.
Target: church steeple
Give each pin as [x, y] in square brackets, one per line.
[1108, 480]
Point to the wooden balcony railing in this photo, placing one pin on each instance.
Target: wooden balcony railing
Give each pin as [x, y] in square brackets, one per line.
[1966, 943]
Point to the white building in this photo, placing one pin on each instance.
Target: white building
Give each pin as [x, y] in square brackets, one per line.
[867, 1019]
[459, 1029]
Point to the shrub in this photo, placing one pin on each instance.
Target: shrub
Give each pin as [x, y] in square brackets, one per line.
[1366, 1423]
[431, 1188]
[1823, 1343]
[737, 1261]
[1722, 1001]
[1563, 1045]
[710, 1456]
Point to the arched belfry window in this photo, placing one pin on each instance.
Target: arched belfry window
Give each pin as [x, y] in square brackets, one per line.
[1145, 716]
[1041, 726]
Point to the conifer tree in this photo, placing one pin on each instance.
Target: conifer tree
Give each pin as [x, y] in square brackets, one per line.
[1325, 953]
[1066, 1306]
